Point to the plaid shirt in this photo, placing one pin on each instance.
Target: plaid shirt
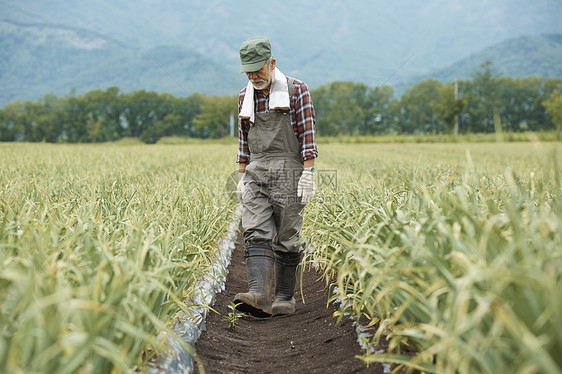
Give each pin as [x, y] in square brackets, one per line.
[302, 120]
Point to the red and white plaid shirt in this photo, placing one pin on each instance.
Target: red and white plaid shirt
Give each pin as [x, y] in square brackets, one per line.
[302, 120]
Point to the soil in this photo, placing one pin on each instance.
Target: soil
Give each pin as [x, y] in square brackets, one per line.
[309, 341]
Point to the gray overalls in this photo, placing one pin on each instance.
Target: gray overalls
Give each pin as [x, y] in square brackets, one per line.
[271, 215]
[272, 210]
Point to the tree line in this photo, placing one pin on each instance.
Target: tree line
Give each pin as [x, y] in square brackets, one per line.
[478, 105]
[486, 103]
[108, 115]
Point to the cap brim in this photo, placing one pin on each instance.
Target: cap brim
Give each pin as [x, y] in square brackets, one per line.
[250, 68]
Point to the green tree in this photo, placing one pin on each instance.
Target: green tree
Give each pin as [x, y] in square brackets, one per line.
[161, 128]
[74, 119]
[38, 119]
[11, 128]
[449, 107]
[341, 108]
[188, 109]
[378, 109]
[515, 102]
[553, 106]
[418, 103]
[482, 97]
[103, 108]
[139, 109]
[214, 117]
[95, 127]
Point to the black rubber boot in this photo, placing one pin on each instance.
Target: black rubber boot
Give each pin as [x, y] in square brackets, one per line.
[285, 282]
[259, 269]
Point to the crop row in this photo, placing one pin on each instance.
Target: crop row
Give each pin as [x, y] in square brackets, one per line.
[453, 252]
[99, 245]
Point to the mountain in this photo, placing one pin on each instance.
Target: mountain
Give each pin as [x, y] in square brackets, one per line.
[37, 59]
[318, 41]
[517, 57]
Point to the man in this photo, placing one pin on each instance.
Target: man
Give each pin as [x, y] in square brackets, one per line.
[276, 155]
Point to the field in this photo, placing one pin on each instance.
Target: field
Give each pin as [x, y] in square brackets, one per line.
[98, 245]
[451, 250]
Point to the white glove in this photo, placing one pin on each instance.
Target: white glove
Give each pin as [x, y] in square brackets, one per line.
[306, 187]
[240, 187]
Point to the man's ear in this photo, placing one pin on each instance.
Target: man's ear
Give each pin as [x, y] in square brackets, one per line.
[273, 64]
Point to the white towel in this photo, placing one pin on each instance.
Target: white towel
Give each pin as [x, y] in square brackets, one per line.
[278, 96]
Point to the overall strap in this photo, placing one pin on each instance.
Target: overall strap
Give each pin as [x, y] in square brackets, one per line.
[291, 86]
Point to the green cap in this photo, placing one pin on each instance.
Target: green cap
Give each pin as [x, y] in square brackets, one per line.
[253, 53]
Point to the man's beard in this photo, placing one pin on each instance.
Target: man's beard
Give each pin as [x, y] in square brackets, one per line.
[260, 84]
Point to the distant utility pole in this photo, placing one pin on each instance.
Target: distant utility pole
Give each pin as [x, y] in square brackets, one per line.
[498, 125]
[456, 129]
[231, 125]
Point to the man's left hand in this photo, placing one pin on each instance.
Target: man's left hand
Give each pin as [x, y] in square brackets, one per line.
[306, 187]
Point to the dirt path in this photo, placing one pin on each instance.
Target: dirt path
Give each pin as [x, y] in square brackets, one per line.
[309, 341]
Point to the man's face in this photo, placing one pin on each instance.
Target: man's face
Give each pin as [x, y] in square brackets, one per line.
[261, 79]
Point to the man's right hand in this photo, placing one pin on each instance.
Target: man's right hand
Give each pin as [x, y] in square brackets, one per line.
[240, 187]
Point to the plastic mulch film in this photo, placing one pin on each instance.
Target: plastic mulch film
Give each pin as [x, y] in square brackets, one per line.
[188, 328]
[363, 333]
[174, 358]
